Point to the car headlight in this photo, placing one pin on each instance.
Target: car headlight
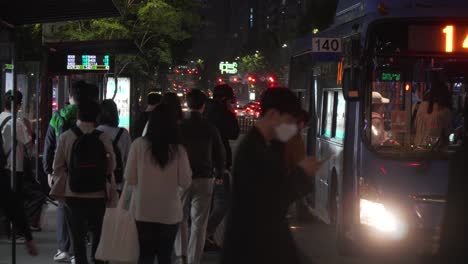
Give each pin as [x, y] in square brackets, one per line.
[375, 215]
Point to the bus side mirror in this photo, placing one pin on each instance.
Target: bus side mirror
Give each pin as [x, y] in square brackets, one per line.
[351, 84]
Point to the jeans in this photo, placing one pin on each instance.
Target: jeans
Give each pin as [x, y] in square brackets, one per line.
[63, 229]
[197, 203]
[156, 240]
[84, 214]
[221, 196]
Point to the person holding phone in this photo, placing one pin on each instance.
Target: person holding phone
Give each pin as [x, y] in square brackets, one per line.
[263, 186]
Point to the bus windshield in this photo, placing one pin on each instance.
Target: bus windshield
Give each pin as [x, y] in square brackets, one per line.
[416, 103]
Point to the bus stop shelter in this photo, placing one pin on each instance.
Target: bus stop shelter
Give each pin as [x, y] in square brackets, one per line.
[25, 12]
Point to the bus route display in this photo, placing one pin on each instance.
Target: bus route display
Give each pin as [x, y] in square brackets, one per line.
[88, 62]
[446, 38]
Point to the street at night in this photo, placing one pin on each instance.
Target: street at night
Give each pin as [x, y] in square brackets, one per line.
[233, 131]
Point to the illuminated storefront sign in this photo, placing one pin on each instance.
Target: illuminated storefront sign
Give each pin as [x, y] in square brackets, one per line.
[122, 99]
[228, 68]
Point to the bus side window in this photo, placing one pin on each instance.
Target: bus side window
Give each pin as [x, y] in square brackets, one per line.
[335, 108]
[340, 117]
[327, 114]
[324, 114]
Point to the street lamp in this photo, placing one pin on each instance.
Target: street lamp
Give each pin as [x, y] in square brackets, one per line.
[285, 45]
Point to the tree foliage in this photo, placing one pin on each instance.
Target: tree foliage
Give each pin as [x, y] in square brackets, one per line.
[158, 28]
[252, 64]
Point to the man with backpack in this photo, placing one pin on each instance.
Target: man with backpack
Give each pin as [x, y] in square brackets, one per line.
[60, 122]
[12, 202]
[83, 162]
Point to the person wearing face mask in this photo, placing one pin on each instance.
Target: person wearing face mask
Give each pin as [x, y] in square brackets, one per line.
[263, 186]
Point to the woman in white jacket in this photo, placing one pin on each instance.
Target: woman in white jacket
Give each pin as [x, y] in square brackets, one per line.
[158, 170]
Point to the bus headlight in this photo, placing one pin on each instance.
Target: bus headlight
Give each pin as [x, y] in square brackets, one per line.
[376, 215]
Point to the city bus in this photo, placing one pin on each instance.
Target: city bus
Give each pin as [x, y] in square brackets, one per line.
[384, 182]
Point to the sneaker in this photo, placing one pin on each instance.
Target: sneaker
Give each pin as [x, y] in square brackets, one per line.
[35, 229]
[72, 260]
[61, 256]
[19, 240]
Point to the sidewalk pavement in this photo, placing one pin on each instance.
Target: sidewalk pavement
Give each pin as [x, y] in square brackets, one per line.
[47, 244]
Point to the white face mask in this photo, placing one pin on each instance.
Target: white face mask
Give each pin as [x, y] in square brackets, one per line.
[285, 132]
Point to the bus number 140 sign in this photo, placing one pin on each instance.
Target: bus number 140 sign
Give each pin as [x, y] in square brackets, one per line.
[326, 45]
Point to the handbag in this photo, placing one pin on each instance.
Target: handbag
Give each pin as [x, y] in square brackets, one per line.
[119, 237]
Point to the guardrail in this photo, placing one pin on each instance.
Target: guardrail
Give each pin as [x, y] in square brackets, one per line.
[246, 123]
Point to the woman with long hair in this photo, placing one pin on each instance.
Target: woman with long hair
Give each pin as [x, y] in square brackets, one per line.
[434, 118]
[108, 122]
[173, 105]
[173, 101]
[157, 170]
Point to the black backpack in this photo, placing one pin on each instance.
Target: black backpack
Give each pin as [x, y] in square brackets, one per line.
[88, 163]
[3, 155]
[119, 168]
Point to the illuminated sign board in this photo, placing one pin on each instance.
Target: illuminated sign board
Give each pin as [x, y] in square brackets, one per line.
[9, 67]
[446, 38]
[228, 68]
[88, 62]
[122, 98]
[390, 77]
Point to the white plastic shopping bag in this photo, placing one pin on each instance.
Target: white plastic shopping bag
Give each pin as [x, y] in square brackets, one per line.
[119, 237]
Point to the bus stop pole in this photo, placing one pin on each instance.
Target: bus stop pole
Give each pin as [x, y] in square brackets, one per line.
[13, 151]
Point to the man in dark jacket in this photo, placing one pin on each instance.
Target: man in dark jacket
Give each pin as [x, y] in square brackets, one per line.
[218, 111]
[262, 190]
[206, 152]
[59, 123]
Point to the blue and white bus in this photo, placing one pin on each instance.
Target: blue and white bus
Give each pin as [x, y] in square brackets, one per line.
[380, 186]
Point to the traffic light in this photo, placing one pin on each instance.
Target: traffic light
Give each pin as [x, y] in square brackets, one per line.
[220, 80]
[235, 79]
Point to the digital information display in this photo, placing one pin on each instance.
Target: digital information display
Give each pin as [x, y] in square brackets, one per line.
[228, 68]
[390, 77]
[122, 99]
[446, 38]
[88, 62]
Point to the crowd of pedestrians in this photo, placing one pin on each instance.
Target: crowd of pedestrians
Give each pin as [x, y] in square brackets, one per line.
[177, 175]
